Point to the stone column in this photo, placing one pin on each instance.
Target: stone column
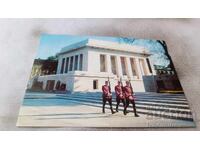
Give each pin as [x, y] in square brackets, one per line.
[139, 71]
[152, 67]
[64, 64]
[86, 59]
[44, 84]
[59, 65]
[129, 69]
[108, 64]
[119, 66]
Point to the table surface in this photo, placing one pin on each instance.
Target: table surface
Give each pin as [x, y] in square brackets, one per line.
[19, 40]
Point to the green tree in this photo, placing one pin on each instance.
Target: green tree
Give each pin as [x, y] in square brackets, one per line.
[52, 58]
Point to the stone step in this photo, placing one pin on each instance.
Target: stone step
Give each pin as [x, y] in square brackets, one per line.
[139, 102]
[139, 105]
[143, 97]
[166, 109]
[137, 99]
[181, 115]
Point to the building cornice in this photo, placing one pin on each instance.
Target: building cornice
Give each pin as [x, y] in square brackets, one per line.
[106, 45]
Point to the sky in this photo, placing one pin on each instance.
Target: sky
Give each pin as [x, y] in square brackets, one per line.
[52, 44]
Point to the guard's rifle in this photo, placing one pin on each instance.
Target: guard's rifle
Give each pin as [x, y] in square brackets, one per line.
[131, 87]
[109, 85]
[121, 83]
[122, 86]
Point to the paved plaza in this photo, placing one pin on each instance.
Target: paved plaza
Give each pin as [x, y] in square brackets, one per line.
[85, 110]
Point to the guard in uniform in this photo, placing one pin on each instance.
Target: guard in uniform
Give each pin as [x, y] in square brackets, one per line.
[130, 98]
[120, 96]
[107, 96]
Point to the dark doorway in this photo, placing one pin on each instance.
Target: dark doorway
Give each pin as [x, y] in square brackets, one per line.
[50, 85]
[63, 87]
[58, 85]
[95, 84]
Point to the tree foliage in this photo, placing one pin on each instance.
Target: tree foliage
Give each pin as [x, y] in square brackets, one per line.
[157, 48]
[52, 58]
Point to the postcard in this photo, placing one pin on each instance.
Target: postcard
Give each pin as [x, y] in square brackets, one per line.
[107, 82]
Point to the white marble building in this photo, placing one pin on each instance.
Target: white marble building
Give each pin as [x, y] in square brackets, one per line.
[85, 66]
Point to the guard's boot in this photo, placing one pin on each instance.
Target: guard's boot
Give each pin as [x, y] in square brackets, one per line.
[125, 112]
[112, 110]
[136, 115]
[116, 109]
[103, 111]
[134, 109]
[117, 106]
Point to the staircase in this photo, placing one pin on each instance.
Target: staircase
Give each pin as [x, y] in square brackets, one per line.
[165, 105]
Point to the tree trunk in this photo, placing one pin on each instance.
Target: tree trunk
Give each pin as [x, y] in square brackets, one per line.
[164, 45]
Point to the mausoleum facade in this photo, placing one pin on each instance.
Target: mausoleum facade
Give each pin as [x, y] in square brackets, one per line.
[86, 65]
